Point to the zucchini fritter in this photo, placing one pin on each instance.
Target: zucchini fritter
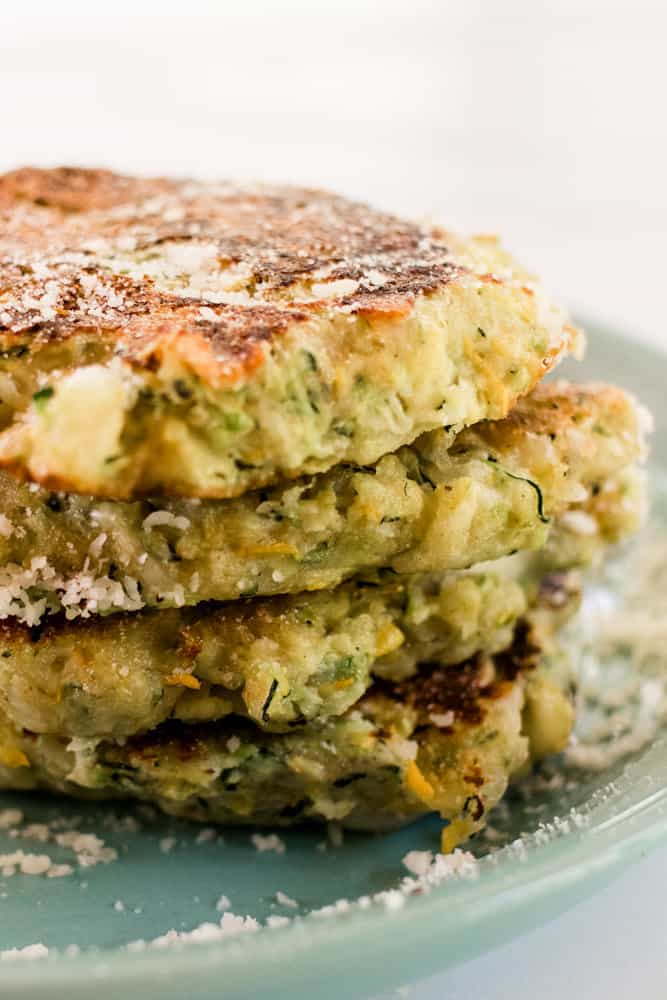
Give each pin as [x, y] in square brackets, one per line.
[447, 740]
[202, 339]
[442, 503]
[279, 661]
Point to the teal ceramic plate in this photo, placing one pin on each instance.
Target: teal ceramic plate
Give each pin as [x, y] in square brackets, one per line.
[576, 829]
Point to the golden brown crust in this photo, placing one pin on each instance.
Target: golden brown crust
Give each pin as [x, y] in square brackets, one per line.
[553, 408]
[461, 689]
[73, 189]
[54, 223]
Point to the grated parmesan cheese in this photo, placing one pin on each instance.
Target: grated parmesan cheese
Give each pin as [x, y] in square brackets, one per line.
[268, 842]
[430, 870]
[206, 836]
[334, 289]
[27, 593]
[284, 900]
[89, 848]
[620, 644]
[164, 518]
[32, 864]
[10, 817]
[230, 925]
[35, 831]
[29, 951]
[579, 522]
[442, 719]
[96, 546]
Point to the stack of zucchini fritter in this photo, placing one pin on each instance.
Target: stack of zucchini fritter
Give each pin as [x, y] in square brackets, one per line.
[287, 523]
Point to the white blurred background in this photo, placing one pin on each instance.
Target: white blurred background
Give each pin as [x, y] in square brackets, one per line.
[543, 121]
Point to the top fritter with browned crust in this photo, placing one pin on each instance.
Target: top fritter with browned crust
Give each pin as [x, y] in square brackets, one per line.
[203, 339]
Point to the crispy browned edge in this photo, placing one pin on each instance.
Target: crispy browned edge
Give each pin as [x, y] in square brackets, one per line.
[554, 407]
[283, 234]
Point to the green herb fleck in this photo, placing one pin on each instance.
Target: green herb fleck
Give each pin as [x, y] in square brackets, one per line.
[315, 555]
[182, 389]
[311, 361]
[269, 698]
[348, 779]
[344, 666]
[531, 482]
[41, 396]
[235, 421]
[343, 429]
[18, 351]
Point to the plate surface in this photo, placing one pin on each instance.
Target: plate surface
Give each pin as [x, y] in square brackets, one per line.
[576, 829]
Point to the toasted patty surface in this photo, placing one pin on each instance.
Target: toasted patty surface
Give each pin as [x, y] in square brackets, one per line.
[446, 740]
[445, 502]
[278, 661]
[203, 339]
